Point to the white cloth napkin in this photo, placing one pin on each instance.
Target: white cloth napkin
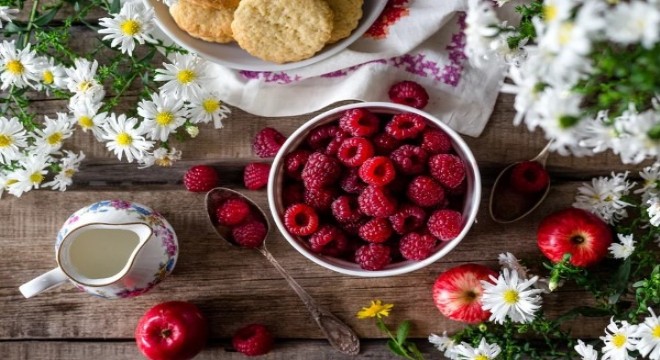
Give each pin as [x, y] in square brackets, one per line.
[424, 45]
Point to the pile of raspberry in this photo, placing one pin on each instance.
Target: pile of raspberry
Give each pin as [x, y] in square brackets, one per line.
[374, 188]
[247, 226]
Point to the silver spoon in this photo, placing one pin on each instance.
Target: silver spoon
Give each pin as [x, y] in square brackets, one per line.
[505, 205]
[340, 335]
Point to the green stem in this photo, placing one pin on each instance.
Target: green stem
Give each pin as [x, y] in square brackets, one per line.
[30, 24]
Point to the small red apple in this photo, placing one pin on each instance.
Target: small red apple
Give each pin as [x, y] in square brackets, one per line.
[174, 330]
[457, 293]
[577, 232]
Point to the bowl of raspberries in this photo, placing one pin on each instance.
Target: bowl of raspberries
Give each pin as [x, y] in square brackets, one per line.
[374, 189]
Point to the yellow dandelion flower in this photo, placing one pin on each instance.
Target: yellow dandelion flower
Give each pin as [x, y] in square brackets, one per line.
[376, 309]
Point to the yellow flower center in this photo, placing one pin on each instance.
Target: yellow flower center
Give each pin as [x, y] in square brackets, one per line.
[656, 332]
[15, 67]
[565, 32]
[69, 172]
[511, 297]
[619, 340]
[164, 118]
[185, 76]
[54, 139]
[549, 12]
[36, 178]
[166, 161]
[481, 357]
[85, 122]
[210, 105]
[48, 77]
[124, 139]
[84, 86]
[130, 27]
[5, 140]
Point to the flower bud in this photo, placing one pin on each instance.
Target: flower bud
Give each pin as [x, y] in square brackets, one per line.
[192, 130]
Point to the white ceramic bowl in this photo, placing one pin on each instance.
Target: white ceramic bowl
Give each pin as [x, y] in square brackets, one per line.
[231, 55]
[470, 207]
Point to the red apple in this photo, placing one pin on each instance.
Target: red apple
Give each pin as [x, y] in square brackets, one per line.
[457, 293]
[174, 330]
[577, 232]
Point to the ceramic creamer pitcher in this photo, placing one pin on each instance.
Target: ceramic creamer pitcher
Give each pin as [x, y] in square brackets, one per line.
[112, 249]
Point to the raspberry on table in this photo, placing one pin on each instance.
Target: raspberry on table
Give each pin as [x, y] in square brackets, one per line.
[384, 143]
[409, 159]
[448, 169]
[328, 240]
[359, 122]
[268, 142]
[377, 171]
[529, 177]
[255, 175]
[405, 126]
[351, 182]
[407, 219]
[354, 151]
[376, 230]
[436, 141]
[345, 209]
[301, 219]
[200, 178]
[377, 201]
[320, 170]
[294, 162]
[425, 191]
[373, 256]
[320, 137]
[445, 224]
[409, 93]
[293, 193]
[253, 340]
[250, 234]
[320, 198]
[232, 212]
[415, 246]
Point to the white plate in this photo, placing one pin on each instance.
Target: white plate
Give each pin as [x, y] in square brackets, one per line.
[232, 56]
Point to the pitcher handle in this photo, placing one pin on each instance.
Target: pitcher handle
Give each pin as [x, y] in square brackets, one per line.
[43, 282]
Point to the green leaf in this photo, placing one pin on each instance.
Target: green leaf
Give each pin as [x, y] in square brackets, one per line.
[396, 348]
[13, 28]
[402, 332]
[620, 280]
[44, 19]
[115, 6]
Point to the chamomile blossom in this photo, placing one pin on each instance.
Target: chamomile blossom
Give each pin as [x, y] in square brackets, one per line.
[162, 115]
[81, 82]
[161, 157]
[632, 22]
[651, 177]
[12, 138]
[557, 10]
[132, 24]
[484, 351]
[85, 114]
[624, 248]
[619, 340]
[654, 210]
[50, 138]
[443, 343]
[648, 333]
[186, 76]
[19, 68]
[635, 142]
[7, 14]
[597, 134]
[481, 31]
[51, 75]
[69, 165]
[125, 138]
[604, 197]
[30, 176]
[586, 351]
[508, 295]
[206, 107]
[558, 114]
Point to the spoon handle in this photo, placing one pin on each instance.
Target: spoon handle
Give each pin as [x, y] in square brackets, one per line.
[340, 335]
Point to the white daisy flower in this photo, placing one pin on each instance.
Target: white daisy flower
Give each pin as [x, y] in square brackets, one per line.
[160, 157]
[586, 351]
[51, 137]
[443, 343]
[481, 32]
[648, 333]
[557, 10]
[623, 249]
[132, 24]
[651, 177]
[30, 176]
[654, 211]
[125, 138]
[604, 197]
[163, 115]
[635, 143]
[484, 351]
[633, 22]
[7, 14]
[509, 261]
[52, 75]
[619, 340]
[206, 106]
[82, 83]
[598, 135]
[12, 139]
[86, 115]
[19, 67]
[186, 76]
[525, 86]
[509, 295]
[69, 165]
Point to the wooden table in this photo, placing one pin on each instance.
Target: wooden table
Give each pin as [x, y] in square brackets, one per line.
[235, 287]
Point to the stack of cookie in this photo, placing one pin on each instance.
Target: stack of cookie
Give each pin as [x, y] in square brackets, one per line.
[273, 30]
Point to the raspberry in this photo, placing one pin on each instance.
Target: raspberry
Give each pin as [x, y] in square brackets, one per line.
[445, 224]
[253, 340]
[345, 209]
[355, 151]
[353, 228]
[378, 171]
[333, 146]
[321, 136]
[255, 175]
[293, 193]
[373, 256]
[301, 219]
[436, 141]
[529, 177]
[268, 142]
[351, 182]
[200, 178]
[425, 192]
[447, 169]
[232, 212]
[294, 162]
[409, 159]
[320, 198]
[250, 234]
[409, 93]
[385, 143]
[407, 219]
[320, 170]
[328, 240]
[414, 246]
[405, 126]
[376, 230]
[359, 122]
[377, 201]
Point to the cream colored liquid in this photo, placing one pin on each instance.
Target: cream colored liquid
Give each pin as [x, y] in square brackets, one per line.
[102, 253]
